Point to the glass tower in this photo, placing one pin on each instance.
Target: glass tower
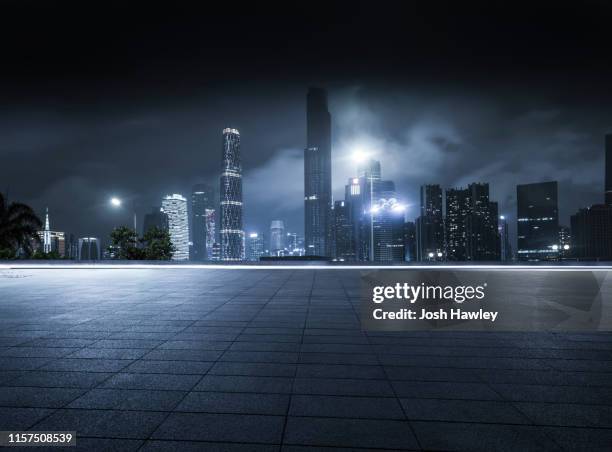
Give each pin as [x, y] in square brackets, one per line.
[231, 233]
[317, 175]
[175, 207]
[537, 221]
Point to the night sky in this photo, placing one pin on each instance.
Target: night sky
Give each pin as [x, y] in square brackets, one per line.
[101, 100]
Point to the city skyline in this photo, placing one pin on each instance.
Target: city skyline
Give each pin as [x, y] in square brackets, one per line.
[90, 118]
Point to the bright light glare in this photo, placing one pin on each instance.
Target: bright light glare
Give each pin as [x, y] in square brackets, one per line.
[359, 155]
[555, 247]
[399, 208]
[566, 247]
[431, 254]
[116, 202]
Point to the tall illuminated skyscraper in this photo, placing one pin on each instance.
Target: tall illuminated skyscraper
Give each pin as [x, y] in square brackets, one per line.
[175, 207]
[231, 233]
[317, 175]
[51, 241]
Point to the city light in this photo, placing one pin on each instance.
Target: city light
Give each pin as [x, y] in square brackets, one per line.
[359, 155]
[115, 202]
[566, 247]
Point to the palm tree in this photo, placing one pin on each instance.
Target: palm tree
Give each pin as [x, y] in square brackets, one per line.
[18, 226]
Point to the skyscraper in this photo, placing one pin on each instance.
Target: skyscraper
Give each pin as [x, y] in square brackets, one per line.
[210, 231]
[591, 233]
[231, 233]
[608, 188]
[505, 253]
[317, 174]
[255, 246]
[537, 221]
[51, 241]
[89, 249]
[342, 232]
[202, 200]
[277, 238]
[175, 207]
[430, 225]
[457, 209]
[388, 221]
[156, 219]
[471, 224]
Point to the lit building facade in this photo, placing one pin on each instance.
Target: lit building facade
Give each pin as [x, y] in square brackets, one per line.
[277, 238]
[388, 221]
[202, 202]
[343, 242]
[175, 207]
[51, 241]
[471, 224]
[255, 246]
[230, 231]
[537, 221]
[210, 215]
[317, 175]
[430, 225]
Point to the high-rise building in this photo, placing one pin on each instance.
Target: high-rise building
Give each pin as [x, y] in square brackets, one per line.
[353, 196]
[51, 241]
[291, 244]
[230, 231]
[175, 207]
[216, 252]
[430, 225]
[505, 253]
[202, 200]
[277, 238]
[592, 233]
[471, 224]
[608, 176]
[156, 219]
[210, 231]
[410, 242]
[457, 209]
[255, 246]
[89, 249]
[537, 221]
[317, 175]
[388, 221]
[342, 233]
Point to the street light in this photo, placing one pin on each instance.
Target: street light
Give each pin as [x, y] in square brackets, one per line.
[116, 202]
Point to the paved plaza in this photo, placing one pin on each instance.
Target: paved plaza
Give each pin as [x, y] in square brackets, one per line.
[260, 359]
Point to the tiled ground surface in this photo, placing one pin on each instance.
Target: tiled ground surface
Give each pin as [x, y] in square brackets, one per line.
[275, 360]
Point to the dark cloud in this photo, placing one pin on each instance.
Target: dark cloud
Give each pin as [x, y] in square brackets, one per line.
[104, 99]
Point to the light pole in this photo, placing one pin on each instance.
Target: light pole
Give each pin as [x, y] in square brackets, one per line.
[116, 202]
